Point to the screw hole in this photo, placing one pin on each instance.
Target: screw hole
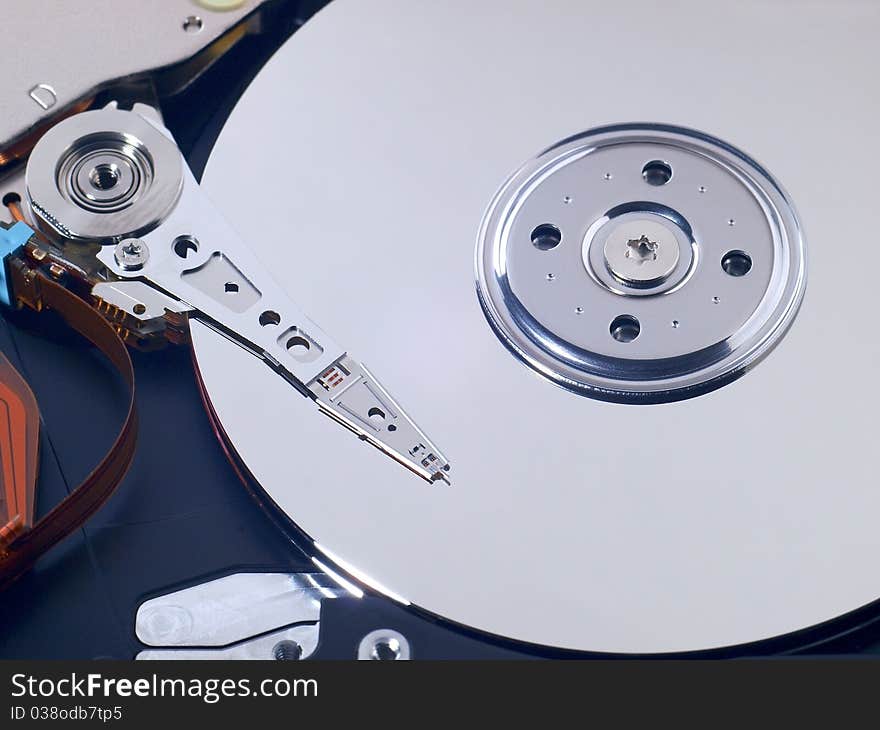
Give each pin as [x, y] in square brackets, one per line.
[104, 177]
[184, 245]
[386, 650]
[269, 317]
[657, 173]
[193, 24]
[716, 300]
[230, 287]
[139, 309]
[736, 263]
[392, 427]
[546, 236]
[298, 345]
[286, 651]
[675, 324]
[625, 328]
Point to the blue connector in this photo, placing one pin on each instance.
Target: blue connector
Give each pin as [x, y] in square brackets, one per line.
[11, 239]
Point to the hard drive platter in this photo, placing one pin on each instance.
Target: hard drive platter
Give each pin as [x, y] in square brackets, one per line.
[531, 329]
[616, 261]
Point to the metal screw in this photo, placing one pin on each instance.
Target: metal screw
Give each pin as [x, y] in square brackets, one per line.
[287, 651]
[384, 645]
[131, 254]
[641, 249]
[641, 252]
[387, 650]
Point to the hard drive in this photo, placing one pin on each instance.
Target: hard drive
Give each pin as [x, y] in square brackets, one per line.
[591, 279]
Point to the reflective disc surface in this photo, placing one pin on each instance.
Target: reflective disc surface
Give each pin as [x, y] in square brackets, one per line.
[359, 165]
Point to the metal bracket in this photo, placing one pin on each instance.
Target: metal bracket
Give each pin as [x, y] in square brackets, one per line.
[240, 616]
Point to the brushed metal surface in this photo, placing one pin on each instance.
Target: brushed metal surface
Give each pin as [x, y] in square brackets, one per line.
[56, 53]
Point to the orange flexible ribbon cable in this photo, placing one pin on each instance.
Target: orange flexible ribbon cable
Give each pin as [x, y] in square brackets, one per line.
[25, 548]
